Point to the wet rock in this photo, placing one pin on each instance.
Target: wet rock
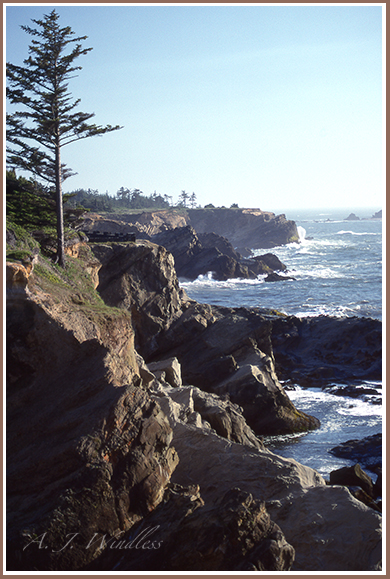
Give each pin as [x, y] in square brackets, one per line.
[322, 350]
[277, 277]
[366, 451]
[199, 254]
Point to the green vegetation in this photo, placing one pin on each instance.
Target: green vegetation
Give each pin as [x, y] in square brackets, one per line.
[31, 216]
[47, 120]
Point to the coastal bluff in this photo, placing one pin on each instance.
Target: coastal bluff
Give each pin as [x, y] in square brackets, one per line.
[134, 424]
[244, 228]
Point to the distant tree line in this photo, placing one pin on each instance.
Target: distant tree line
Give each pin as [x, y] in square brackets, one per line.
[127, 199]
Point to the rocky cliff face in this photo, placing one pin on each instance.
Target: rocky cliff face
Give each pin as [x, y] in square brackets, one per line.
[111, 458]
[88, 450]
[245, 227]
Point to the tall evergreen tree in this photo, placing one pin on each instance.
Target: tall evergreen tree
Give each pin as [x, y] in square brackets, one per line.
[48, 120]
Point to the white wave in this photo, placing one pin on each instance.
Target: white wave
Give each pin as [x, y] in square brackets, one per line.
[344, 232]
[301, 232]
[207, 280]
[318, 273]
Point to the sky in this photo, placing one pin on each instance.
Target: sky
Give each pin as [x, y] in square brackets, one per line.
[268, 106]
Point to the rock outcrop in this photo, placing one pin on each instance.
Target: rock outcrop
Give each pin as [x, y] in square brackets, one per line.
[244, 228]
[200, 253]
[228, 352]
[251, 228]
[319, 521]
[367, 451]
[234, 534]
[320, 350]
[144, 224]
[104, 442]
[88, 450]
[141, 279]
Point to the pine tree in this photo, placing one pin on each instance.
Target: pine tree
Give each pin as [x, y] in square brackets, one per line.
[48, 120]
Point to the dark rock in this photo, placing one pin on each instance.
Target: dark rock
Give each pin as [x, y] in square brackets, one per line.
[368, 393]
[320, 350]
[272, 261]
[352, 217]
[225, 418]
[352, 476]
[364, 498]
[276, 277]
[199, 254]
[367, 451]
[234, 534]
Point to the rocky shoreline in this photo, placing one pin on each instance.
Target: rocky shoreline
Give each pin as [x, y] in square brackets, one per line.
[135, 417]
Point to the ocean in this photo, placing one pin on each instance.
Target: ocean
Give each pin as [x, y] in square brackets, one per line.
[337, 268]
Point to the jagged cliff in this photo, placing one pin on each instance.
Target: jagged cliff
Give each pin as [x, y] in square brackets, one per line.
[111, 458]
[244, 228]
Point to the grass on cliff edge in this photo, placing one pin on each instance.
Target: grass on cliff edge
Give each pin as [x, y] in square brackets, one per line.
[71, 285]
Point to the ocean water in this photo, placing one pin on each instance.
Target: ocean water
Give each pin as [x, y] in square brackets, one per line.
[337, 268]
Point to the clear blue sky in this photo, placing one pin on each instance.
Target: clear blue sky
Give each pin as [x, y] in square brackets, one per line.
[274, 107]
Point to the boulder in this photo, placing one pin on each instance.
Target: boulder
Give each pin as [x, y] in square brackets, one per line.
[352, 476]
[277, 277]
[169, 369]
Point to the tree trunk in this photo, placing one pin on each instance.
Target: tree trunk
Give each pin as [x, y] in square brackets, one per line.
[60, 257]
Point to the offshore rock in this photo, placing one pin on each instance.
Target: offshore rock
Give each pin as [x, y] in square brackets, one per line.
[88, 450]
[320, 350]
[352, 476]
[367, 451]
[200, 253]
